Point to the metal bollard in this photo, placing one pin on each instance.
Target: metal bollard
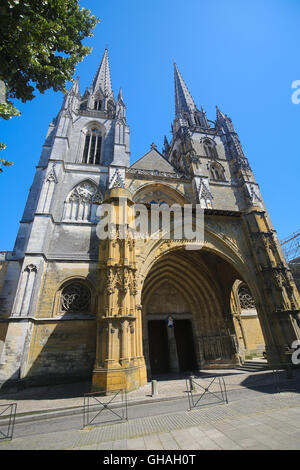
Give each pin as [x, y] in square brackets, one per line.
[192, 386]
[154, 387]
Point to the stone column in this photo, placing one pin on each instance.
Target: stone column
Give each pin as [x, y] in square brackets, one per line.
[119, 361]
[199, 353]
[173, 355]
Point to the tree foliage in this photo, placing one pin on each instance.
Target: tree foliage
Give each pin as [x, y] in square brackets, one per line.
[2, 161]
[41, 44]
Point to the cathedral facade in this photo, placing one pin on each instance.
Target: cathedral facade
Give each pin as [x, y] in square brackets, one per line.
[122, 309]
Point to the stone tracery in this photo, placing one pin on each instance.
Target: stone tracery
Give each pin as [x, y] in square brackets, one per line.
[82, 202]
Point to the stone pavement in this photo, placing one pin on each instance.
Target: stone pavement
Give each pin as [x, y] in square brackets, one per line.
[257, 418]
[61, 398]
[265, 422]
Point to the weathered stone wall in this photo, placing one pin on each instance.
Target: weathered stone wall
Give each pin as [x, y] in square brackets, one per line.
[3, 331]
[50, 345]
[62, 349]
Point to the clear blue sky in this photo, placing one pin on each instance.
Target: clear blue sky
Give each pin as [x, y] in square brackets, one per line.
[241, 55]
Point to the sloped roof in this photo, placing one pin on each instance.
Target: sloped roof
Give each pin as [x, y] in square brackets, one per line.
[153, 160]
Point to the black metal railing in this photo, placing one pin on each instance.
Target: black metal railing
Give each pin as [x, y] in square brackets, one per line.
[100, 408]
[206, 391]
[7, 420]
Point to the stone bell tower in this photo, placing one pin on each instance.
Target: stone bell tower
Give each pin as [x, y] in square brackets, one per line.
[222, 178]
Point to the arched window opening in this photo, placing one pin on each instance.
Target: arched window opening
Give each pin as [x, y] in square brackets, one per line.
[98, 105]
[217, 172]
[83, 105]
[92, 147]
[210, 149]
[75, 298]
[188, 120]
[198, 122]
[175, 158]
[111, 108]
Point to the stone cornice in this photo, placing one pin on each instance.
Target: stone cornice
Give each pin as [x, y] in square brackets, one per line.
[95, 114]
[221, 212]
[83, 317]
[70, 258]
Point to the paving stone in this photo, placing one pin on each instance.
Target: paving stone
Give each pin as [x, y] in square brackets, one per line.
[168, 441]
[153, 442]
[120, 445]
[226, 443]
[290, 445]
[248, 443]
[259, 446]
[184, 440]
[136, 444]
[209, 444]
[214, 434]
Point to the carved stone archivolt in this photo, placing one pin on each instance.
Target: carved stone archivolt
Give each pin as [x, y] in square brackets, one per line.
[231, 233]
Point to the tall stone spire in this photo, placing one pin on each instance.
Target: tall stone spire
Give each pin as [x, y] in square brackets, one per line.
[220, 114]
[102, 80]
[183, 99]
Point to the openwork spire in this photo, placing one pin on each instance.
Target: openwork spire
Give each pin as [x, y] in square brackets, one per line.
[183, 99]
[102, 78]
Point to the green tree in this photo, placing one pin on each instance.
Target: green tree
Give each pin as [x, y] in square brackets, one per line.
[40, 46]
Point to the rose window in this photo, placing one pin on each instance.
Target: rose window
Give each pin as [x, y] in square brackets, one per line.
[76, 298]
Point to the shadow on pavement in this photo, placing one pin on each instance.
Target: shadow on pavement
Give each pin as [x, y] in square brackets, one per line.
[49, 392]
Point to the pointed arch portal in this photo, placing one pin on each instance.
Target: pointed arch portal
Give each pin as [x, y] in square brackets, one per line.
[193, 288]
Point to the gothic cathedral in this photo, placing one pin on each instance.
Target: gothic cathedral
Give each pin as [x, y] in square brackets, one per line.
[119, 310]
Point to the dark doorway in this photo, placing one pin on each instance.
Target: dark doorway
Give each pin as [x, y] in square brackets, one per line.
[158, 346]
[185, 345]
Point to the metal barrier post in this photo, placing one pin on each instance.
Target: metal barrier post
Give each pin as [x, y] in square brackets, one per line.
[154, 390]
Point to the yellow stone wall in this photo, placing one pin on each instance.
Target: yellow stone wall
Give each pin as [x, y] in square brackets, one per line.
[55, 275]
[253, 333]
